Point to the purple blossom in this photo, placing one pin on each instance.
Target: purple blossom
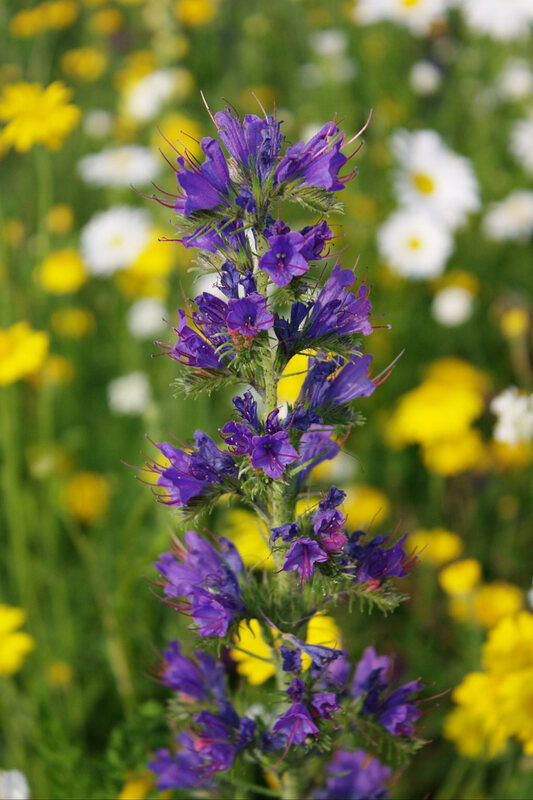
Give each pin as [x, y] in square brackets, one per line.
[272, 453]
[238, 436]
[328, 522]
[255, 143]
[246, 407]
[398, 712]
[191, 348]
[199, 679]
[287, 331]
[249, 315]
[333, 499]
[178, 771]
[315, 237]
[292, 659]
[355, 776]
[283, 260]
[316, 446]
[302, 557]
[315, 163]
[325, 703]
[296, 690]
[370, 673]
[206, 186]
[287, 532]
[337, 311]
[296, 723]
[375, 562]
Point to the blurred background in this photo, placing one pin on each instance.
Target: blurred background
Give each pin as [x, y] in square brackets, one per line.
[94, 97]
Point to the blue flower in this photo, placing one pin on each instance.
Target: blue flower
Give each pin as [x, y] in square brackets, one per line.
[325, 703]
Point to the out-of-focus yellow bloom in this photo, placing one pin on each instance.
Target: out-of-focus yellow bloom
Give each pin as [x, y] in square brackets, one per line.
[136, 788]
[256, 663]
[454, 371]
[56, 369]
[476, 725]
[13, 232]
[322, 630]
[60, 219]
[516, 698]
[59, 674]
[292, 378]
[72, 323]
[453, 455]
[457, 277]
[86, 496]
[36, 115]
[250, 536]
[93, 3]
[51, 15]
[106, 22]
[460, 577]
[365, 505]
[432, 412]
[84, 64]
[194, 13]
[494, 601]
[14, 645]
[436, 546]
[22, 352]
[509, 646]
[514, 322]
[137, 65]
[147, 276]
[182, 133]
[62, 272]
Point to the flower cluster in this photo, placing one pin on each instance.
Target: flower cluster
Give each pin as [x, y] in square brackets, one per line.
[269, 303]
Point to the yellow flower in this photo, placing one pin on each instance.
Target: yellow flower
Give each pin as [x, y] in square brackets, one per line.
[450, 370]
[436, 546]
[182, 132]
[136, 788]
[475, 734]
[62, 272]
[509, 646]
[137, 65]
[453, 455]
[506, 456]
[59, 674]
[147, 276]
[292, 378]
[84, 64]
[494, 601]
[514, 322]
[35, 115]
[457, 277]
[460, 577]
[28, 22]
[22, 352]
[14, 645]
[106, 22]
[60, 219]
[51, 15]
[56, 369]
[86, 496]
[256, 663]
[321, 630]
[72, 323]
[194, 13]
[250, 536]
[365, 505]
[516, 698]
[13, 232]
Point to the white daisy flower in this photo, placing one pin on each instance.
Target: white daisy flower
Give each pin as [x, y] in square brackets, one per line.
[146, 318]
[452, 306]
[144, 99]
[516, 80]
[113, 239]
[521, 143]
[425, 78]
[501, 19]
[434, 177]
[416, 15]
[329, 44]
[414, 244]
[119, 166]
[13, 785]
[511, 218]
[98, 123]
[129, 395]
[514, 416]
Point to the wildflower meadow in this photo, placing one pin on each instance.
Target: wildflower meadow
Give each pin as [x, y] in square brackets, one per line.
[266, 399]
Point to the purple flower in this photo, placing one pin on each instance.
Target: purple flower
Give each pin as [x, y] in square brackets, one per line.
[302, 557]
[333, 499]
[287, 331]
[198, 680]
[335, 674]
[283, 260]
[287, 532]
[355, 776]
[246, 407]
[315, 163]
[238, 436]
[292, 659]
[325, 703]
[316, 447]
[351, 381]
[178, 771]
[255, 143]
[376, 562]
[296, 723]
[206, 186]
[272, 453]
[191, 348]
[296, 690]
[315, 237]
[370, 673]
[328, 522]
[398, 712]
[320, 655]
[337, 311]
[249, 315]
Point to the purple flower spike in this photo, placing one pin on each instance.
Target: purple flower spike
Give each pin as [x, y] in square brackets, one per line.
[296, 723]
[284, 261]
[292, 659]
[296, 690]
[302, 557]
[370, 673]
[315, 163]
[398, 712]
[238, 436]
[355, 776]
[197, 681]
[249, 315]
[325, 703]
[207, 186]
[272, 453]
[288, 532]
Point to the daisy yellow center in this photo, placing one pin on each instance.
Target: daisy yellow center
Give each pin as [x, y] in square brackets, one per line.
[423, 183]
[414, 243]
[409, 3]
[117, 241]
